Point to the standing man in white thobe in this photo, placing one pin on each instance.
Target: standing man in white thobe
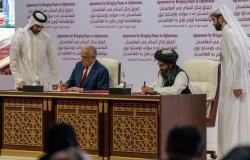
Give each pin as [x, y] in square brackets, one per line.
[31, 49]
[234, 98]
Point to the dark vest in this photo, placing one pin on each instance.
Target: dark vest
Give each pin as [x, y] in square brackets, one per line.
[169, 81]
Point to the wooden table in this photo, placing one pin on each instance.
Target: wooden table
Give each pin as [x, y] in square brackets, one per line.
[107, 126]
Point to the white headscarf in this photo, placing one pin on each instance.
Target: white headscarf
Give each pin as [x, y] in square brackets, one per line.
[241, 35]
[37, 18]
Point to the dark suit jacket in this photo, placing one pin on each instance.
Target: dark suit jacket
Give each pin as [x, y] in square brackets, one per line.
[97, 79]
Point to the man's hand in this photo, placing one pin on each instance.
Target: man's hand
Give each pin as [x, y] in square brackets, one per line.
[20, 85]
[62, 86]
[237, 92]
[146, 89]
[75, 89]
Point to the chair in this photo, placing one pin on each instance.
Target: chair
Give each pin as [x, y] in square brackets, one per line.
[114, 68]
[204, 77]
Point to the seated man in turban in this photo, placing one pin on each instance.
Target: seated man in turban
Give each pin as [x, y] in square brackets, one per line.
[171, 78]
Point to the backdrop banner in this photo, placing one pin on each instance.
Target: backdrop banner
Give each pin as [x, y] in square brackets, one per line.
[132, 30]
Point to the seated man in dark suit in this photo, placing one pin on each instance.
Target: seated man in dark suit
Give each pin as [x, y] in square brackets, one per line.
[88, 74]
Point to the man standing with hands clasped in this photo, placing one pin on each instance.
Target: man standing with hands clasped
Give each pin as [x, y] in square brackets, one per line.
[32, 48]
[234, 98]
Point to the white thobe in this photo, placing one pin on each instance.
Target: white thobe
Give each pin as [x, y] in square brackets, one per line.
[234, 113]
[26, 67]
[180, 83]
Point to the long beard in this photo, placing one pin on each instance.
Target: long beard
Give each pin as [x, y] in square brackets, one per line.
[168, 75]
[165, 73]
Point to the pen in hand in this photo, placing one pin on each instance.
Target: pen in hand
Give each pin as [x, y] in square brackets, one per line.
[144, 87]
[60, 86]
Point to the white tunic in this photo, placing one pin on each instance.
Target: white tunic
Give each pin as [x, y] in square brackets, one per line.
[180, 83]
[26, 67]
[233, 112]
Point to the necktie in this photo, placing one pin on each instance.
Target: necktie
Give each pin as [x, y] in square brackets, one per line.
[84, 77]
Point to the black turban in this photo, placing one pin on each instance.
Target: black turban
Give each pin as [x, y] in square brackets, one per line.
[167, 56]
